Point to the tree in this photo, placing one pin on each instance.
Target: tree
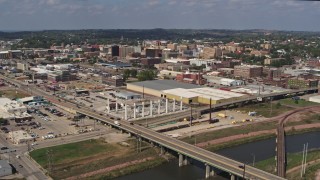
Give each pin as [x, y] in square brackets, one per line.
[126, 74]
[146, 75]
[133, 73]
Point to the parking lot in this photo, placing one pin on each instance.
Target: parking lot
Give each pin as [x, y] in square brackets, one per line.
[50, 122]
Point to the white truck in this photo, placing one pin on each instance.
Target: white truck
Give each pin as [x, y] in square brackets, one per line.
[117, 123]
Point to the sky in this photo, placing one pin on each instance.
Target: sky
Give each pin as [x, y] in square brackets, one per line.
[167, 14]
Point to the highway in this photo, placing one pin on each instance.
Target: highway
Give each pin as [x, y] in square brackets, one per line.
[186, 149]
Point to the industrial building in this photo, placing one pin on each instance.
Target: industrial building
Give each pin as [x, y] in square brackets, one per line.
[5, 168]
[201, 95]
[187, 93]
[127, 95]
[223, 81]
[155, 87]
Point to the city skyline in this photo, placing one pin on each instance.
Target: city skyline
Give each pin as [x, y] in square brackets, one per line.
[169, 14]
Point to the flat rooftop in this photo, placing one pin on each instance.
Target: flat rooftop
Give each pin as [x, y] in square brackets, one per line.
[161, 85]
[214, 94]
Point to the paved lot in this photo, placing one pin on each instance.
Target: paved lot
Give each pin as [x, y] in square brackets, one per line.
[202, 124]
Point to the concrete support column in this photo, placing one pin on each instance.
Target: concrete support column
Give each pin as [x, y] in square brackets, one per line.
[185, 161]
[207, 171]
[159, 106]
[108, 105]
[181, 104]
[134, 111]
[162, 150]
[116, 104]
[166, 106]
[180, 160]
[142, 109]
[174, 105]
[125, 112]
[130, 135]
[233, 177]
[151, 108]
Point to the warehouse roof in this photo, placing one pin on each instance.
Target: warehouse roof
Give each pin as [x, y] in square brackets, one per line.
[184, 93]
[214, 94]
[164, 84]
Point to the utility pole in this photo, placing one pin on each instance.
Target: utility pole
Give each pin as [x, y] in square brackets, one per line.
[304, 148]
[270, 106]
[190, 114]
[210, 110]
[254, 159]
[305, 160]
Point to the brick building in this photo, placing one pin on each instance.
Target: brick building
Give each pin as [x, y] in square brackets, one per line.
[248, 71]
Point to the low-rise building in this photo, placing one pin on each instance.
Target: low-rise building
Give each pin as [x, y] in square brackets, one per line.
[19, 137]
[248, 71]
[300, 83]
[5, 168]
[270, 61]
[113, 81]
[10, 109]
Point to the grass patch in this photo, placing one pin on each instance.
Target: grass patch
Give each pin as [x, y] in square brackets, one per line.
[297, 103]
[245, 129]
[84, 157]
[293, 160]
[309, 119]
[264, 109]
[14, 94]
[69, 152]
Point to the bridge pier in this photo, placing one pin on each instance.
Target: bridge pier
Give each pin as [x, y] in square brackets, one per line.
[162, 150]
[142, 109]
[116, 104]
[125, 112]
[186, 161]
[134, 111]
[166, 106]
[130, 135]
[209, 171]
[180, 160]
[108, 105]
[151, 108]
[233, 177]
[159, 107]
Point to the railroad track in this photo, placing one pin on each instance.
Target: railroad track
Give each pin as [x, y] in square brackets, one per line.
[281, 143]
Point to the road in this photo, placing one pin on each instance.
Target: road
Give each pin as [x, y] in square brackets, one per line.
[31, 170]
[189, 150]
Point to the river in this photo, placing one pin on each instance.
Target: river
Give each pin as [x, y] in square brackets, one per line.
[245, 153]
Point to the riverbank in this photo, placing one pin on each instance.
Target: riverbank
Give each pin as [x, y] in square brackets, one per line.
[294, 165]
[97, 159]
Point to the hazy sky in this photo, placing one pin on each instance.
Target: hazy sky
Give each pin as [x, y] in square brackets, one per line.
[140, 14]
